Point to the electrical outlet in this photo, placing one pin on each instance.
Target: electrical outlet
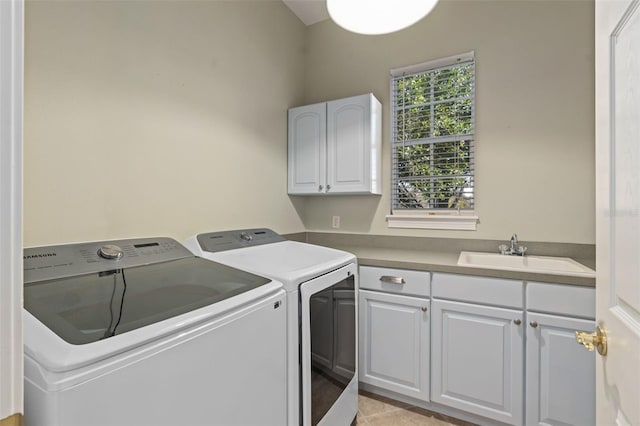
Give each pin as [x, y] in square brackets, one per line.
[336, 222]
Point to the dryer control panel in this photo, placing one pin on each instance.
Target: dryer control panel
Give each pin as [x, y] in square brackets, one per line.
[52, 262]
[239, 238]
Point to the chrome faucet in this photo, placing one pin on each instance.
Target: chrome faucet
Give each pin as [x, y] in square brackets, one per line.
[513, 249]
[514, 242]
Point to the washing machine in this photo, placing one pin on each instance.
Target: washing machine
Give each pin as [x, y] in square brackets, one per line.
[142, 332]
[320, 282]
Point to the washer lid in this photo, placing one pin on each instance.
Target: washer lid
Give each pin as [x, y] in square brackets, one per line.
[86, 308]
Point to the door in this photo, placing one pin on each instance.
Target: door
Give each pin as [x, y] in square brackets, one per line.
[394, 343]
[11, 58]
[307, 149]
[328, 330]
[477, 355]
[618, 210]
[560, 375]
[348, 145]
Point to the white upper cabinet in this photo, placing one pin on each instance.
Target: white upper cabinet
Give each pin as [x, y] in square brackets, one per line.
[307, 149]
[334, 147]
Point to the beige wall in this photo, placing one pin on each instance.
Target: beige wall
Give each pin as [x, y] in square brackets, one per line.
[534, 112]
[169, 118]
[158, 118]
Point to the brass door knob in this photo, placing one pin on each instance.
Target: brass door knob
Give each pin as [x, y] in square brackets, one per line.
[592, 341]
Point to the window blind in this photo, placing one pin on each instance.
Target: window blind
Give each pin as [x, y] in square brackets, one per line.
[432, 134]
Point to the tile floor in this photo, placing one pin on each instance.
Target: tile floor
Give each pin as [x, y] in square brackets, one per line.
[374, 410]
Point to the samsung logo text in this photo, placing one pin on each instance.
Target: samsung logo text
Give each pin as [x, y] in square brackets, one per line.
[37, 256]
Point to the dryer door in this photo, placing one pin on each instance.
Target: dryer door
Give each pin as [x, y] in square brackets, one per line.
[328, 333]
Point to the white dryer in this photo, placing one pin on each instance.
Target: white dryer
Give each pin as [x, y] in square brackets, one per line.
[320, 283]
[141, 332]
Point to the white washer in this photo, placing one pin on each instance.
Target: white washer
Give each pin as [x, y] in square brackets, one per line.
[141, 332]
[322, 317]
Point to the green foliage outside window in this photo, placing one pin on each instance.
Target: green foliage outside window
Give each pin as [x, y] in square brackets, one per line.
[433, 144]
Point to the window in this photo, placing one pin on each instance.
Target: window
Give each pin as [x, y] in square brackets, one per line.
[432, 136]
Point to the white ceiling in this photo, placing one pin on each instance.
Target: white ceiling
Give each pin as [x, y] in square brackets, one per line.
[309, 11]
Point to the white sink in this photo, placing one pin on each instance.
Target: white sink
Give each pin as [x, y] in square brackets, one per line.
[536, 264]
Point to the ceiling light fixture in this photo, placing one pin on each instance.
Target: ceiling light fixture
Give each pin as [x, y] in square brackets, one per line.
[378, 16]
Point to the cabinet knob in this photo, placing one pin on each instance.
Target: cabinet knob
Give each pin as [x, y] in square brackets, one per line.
[320, 188]
[424, 309]
[517, 321]
[533, 324]
[328, 187]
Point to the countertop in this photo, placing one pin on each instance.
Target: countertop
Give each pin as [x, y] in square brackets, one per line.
[441, 255]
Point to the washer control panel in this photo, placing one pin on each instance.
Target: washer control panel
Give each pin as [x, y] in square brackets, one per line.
[110, 251]
[52, 262]
[239, 238]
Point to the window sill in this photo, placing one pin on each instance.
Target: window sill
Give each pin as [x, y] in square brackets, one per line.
[462, 222]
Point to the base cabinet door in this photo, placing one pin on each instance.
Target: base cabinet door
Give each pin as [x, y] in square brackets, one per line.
[394, 343]
[477, 353]
[560, 372]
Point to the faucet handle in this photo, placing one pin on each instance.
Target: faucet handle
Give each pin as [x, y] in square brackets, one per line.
[503, 249]
[522, 249]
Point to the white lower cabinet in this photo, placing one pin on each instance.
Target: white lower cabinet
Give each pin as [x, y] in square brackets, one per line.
[477, 359]
[501, 349]
[394, 343]
[395, 330]
[560, 373]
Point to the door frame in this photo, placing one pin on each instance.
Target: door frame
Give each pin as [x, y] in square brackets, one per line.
[11, 115]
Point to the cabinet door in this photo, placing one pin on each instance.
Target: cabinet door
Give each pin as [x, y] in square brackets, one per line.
[353, 145]
[394, 343]
[560, 373]
[307, 149]
[477, 355]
